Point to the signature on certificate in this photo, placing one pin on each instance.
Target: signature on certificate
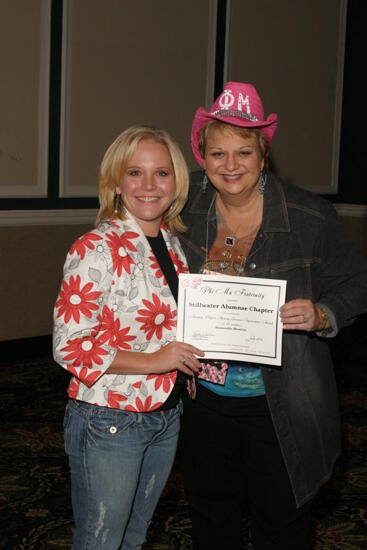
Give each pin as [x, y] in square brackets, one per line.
[201, 335]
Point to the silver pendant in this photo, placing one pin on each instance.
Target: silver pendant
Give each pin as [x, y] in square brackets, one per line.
[229, 241]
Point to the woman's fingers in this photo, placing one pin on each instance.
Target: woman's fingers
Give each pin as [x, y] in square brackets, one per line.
[299, 315]
[188, 358]
[189, 349]
[177, 356]
[189, 364]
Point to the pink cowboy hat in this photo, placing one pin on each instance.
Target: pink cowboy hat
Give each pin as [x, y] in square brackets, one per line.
[240, 105]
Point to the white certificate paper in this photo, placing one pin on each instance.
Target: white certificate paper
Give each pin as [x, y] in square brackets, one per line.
[232, 318]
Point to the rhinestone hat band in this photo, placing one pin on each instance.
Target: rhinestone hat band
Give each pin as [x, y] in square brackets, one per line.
[234, 113]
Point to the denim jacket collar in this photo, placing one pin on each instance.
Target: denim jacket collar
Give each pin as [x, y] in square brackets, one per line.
[275, 214]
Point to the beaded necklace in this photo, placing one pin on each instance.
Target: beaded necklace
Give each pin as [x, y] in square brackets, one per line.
[230, 265]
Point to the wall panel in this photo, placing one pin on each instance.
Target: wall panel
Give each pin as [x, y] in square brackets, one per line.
[127, 63]
[294, 53]
[24, 61]
[30, 277]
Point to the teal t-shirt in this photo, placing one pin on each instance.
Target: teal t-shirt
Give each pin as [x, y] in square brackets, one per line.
[242, 380]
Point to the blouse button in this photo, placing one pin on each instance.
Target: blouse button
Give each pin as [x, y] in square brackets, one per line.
[113, 430]
[252, 265]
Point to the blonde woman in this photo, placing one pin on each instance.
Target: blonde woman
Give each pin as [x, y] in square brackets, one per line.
[115, 326]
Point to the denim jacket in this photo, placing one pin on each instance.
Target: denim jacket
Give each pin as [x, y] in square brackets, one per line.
[302, 241]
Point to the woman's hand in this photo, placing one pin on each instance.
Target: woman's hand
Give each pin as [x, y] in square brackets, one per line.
[175, 356]
[302, 315]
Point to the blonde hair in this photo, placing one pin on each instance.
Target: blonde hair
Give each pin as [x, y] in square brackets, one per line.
[115, 161]
[244, 132]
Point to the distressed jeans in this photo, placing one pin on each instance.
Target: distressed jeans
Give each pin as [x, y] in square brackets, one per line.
[119, 463]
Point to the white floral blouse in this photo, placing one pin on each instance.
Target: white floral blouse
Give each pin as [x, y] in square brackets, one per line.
[114, 297]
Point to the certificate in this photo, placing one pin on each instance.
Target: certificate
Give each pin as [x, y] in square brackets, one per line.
[232, 318]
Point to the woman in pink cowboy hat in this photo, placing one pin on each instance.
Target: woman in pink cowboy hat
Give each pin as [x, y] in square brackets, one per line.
[267, 436]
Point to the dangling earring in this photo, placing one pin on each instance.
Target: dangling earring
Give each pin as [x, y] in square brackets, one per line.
[204, 185]
[262, 182]
[117, 203]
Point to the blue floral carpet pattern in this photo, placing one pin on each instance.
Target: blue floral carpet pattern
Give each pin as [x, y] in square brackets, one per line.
[34, 480]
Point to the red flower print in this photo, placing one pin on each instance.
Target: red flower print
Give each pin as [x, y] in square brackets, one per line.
[109, 330]
[108, 326]
[179, 265]
[155, 317]
[73, 388]
[119, 246]
[122, 337]
[155, 265]
[72, 370]
[84, 352]
[143, 407]
[164, 380]
[86, 376]
[74, 300]
[84, 242]
[114, 399]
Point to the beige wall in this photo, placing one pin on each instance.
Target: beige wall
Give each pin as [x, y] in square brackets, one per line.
[32, 259]
[294, 53]
[123, 63]
[357, 229]
[24, 48]
[130, 62]
[140, 61]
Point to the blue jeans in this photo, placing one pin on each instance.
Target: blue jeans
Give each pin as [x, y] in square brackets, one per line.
[119, 463]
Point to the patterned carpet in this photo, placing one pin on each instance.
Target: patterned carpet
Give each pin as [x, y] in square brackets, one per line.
[34, 483]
